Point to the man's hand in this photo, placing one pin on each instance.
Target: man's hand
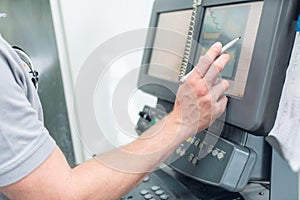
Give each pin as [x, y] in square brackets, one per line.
[200, 99]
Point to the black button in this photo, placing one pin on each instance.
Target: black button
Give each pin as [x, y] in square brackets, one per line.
[159, 192]
[146, 179]
[164, 196]
[190, 158]
[195, 161]
[155, 187]
[144, 192]
[197, 142]
[148, 196]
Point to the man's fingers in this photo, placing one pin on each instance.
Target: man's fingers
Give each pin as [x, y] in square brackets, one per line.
[220, 107]
[217, 92]
[206, 60]
[215, 69]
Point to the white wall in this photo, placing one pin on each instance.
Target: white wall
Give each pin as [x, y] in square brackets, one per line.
[81, 26]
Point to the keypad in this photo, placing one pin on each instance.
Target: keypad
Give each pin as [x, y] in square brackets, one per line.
[149, 191]
[155, 192]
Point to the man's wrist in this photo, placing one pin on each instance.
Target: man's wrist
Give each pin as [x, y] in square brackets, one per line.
[183, 130]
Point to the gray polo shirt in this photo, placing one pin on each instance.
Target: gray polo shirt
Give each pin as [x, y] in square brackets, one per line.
[24, 141]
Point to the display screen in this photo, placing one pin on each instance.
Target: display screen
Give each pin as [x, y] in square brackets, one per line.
[169, 45]
[225, 23]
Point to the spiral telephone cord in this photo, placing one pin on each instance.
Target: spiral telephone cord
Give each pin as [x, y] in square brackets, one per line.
[189, 41]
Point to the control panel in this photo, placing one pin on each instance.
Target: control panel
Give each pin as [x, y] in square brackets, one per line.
[206, 157]
[220, 163]
[160, 186]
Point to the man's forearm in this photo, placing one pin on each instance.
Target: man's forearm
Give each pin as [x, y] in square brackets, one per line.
[107, 176]
[122, 169]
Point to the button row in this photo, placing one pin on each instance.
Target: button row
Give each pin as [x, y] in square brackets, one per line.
[218, 153]
[157, 191]
[193, 159]
[180, 151]
[209, 148]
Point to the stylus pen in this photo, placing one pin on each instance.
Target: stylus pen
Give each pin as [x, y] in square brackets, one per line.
[224, 49]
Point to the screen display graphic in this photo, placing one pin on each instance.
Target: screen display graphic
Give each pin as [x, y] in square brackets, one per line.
[225, 23]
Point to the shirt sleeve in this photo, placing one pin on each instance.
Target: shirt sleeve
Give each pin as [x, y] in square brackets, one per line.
[24, 141]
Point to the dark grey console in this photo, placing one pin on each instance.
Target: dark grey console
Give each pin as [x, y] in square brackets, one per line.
[223, 164]
[207, 157]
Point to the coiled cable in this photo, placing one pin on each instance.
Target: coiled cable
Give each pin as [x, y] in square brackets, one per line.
[189, 41]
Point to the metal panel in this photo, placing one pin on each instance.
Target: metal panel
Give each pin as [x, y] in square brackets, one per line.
[284, 182]
[29, 25]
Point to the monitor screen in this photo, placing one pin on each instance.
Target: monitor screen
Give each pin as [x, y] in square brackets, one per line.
[165, 63]
[258, 61]
[223, 24]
